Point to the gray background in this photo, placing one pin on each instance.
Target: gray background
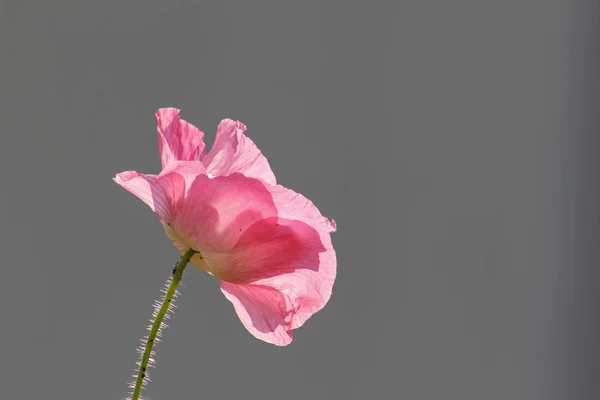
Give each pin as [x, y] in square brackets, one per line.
[455, 143]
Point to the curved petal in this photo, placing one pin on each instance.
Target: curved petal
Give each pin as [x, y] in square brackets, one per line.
[146, 189]
[189, 170]
[270, 247]
[291, 254]
[306, 290]
[158, 192]
[262, 311]
[178, 140]
[234, 152]
[217, 211]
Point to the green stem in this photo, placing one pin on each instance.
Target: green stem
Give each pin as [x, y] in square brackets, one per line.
[160, 315]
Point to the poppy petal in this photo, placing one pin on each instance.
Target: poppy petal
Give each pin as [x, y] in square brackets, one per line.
[262, 311]
[178, 140]
[233, 151]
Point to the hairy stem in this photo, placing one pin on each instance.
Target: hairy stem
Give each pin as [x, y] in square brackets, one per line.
[157, 323]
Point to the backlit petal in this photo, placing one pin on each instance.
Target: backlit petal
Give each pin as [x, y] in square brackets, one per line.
[262, 311]
[217, 211]
[233, 152]
[178, 140]
[146, 189]
[189, 170]
[270, 247]
[160, 193]
[291, 255]
[306, 288]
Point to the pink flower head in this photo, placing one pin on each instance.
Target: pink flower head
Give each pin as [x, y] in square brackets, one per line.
[269, 246]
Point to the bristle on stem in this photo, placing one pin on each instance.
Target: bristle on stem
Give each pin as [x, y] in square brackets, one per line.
[160, 312]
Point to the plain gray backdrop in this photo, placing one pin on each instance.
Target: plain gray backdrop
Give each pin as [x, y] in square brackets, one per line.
[454, 142]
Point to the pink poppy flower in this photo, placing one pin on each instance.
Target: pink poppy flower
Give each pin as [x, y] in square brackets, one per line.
[269, 246]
